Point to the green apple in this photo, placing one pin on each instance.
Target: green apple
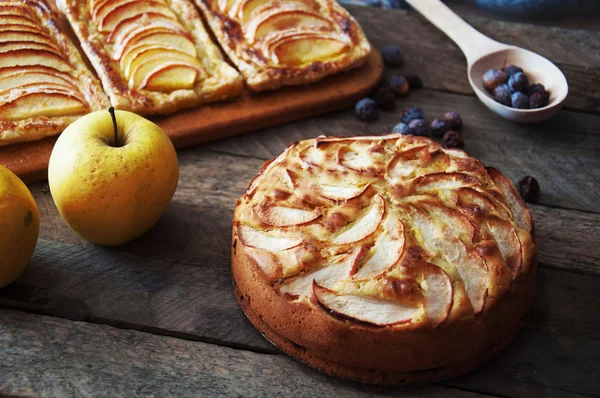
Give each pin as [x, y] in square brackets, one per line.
[112, 177]
[19, 226]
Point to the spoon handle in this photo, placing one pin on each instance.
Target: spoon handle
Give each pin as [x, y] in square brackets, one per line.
[472, 43]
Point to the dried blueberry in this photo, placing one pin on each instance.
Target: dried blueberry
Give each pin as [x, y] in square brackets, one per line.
[392, 55]
[454, 119]
[512, 69]
[529, 188]
[502, 95]
[519, 100]
[399, 86]
[414, 82]
[385, 99]
[518, 82]
[366, 109]
[418, 127]
[534, 88]
[402, 128]
[493, 78]
[439, 126]
[453, 139]
[412, 114]
[539, 99]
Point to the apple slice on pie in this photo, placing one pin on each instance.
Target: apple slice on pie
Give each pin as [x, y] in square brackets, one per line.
[276, 43]
[153, 56]
[44, 83]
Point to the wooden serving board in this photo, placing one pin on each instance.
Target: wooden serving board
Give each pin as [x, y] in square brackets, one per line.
[250, 111]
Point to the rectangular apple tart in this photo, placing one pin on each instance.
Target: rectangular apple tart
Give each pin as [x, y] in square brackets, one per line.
[153, 56]
[44, 83]
[276, 43]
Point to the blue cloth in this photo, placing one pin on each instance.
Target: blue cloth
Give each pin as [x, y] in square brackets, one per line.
[517, 7]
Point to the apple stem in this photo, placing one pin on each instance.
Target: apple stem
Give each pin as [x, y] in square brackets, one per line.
[111, 110]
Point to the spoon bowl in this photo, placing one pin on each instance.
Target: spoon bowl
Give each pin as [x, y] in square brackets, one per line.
[537, 68]
[483, 53]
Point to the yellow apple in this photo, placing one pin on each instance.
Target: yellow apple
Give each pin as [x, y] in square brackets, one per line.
[19, 226]
[112, 191]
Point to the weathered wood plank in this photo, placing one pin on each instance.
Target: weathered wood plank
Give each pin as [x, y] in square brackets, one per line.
[51, 357]
[441, 65]
[562, 153]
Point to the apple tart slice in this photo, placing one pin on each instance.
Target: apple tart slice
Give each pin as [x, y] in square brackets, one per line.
[153, 56]
[276, 43]
[44, 83]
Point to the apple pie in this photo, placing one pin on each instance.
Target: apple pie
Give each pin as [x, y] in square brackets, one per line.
[384, 259]
[275, 43]
[44, 83]
[153, 56]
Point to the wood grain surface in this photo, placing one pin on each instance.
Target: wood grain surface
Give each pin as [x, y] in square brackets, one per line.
[157, 317]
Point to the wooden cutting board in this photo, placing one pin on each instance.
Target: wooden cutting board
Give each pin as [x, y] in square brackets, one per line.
[249, 112]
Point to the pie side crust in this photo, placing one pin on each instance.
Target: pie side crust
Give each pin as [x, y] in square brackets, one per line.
[38, 127]
[259, 72]
[223, 82]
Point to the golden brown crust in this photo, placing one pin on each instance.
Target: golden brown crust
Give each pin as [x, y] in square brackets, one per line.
[260, 70]
[38, 127]
[222, 82]
[414, 351]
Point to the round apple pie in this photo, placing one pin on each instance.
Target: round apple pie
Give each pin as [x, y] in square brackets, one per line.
[384, 259]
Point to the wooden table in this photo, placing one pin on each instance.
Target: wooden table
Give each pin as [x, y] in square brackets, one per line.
[158, 317]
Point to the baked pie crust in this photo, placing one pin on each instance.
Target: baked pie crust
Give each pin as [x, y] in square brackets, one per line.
[44, 83]
[153, 56]
[384, 259]
[275, 43]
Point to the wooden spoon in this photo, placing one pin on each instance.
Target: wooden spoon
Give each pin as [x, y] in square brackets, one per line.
[483, 53]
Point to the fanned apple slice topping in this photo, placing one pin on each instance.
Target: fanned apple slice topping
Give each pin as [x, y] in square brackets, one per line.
[519, 211]
[328, 276]
[298, 47]
[255, 238]
[403, 228]
[363, 308]
[386, 252]
[35, 78]
[283, 18]
[364, 226]
[153, 50]
[339, 193]
[282, 216]
[438, 293]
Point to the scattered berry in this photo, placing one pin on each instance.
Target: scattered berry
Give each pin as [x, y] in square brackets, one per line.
[366, 109]
[518, 82]
[512, 69]
[392, 55]
[529, 188]
[539, 99]
[412, 114]
[384, 97]
[534, 88]
[519, 100]
[493, 78]
[399, 86]
[502, 95]
[418, 127]
[454, 119]
[439, 126]
[414, 82]
[453, 139]
[401, 128]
